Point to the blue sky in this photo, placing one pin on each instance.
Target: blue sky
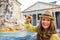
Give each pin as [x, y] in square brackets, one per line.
[27, 3]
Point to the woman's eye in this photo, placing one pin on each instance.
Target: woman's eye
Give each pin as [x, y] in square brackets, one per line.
[48, 20]
[43, 19]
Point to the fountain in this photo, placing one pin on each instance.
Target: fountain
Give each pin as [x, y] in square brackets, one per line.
[10, 16]
[12, 22]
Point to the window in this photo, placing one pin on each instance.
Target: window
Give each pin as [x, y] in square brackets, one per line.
[53, 14]
[39, 15]
[58, 19]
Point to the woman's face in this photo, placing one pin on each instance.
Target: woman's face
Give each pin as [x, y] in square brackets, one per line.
[46, 22]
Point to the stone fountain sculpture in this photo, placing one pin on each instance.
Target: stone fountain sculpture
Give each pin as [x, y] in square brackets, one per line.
[10, 16]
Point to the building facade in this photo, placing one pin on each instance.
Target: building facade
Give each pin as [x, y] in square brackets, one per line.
[38, 9]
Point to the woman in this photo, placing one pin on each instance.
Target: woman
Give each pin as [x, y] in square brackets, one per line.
[46, 29]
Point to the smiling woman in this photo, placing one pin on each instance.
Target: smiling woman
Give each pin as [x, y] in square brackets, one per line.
[46, 29]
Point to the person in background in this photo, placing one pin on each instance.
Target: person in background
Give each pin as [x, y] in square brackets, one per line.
[28, 25]
[46, 29]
